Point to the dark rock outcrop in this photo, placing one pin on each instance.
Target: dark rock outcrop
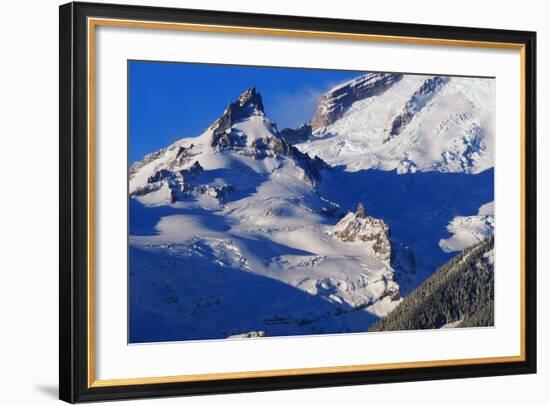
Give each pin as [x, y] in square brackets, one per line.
[228, 139]
[298, 135]
[417, 102]
[279, 146]
[359, 226]
[179, 182]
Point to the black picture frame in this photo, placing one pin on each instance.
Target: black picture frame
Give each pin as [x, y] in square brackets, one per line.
[74, 385]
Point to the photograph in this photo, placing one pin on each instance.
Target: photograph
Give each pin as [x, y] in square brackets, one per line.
[269, 199]
[272, 201]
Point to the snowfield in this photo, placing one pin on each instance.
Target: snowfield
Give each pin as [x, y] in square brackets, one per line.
[449, 128]
[237, 233]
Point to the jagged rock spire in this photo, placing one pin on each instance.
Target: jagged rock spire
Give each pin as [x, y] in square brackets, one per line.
[251, 97]
[248, 104]
[360, 212]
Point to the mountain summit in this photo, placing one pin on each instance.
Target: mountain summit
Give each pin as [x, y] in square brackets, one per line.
[248, 104]
[183, 170]
[251, 99]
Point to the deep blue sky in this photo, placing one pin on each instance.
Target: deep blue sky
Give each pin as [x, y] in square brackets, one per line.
[168, 101]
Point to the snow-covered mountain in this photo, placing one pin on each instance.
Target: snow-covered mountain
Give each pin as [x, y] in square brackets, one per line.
[241, 148]
[231, 237]
[406, 123]
[248, 231]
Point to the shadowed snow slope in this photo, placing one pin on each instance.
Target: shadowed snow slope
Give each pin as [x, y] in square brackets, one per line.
[176, 295]
[417, 207]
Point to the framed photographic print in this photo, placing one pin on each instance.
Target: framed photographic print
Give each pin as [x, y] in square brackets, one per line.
[254, 202]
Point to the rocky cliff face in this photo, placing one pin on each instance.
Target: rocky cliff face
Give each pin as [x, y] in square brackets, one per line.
[333, 104]
[359, 226]
[417, 102]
